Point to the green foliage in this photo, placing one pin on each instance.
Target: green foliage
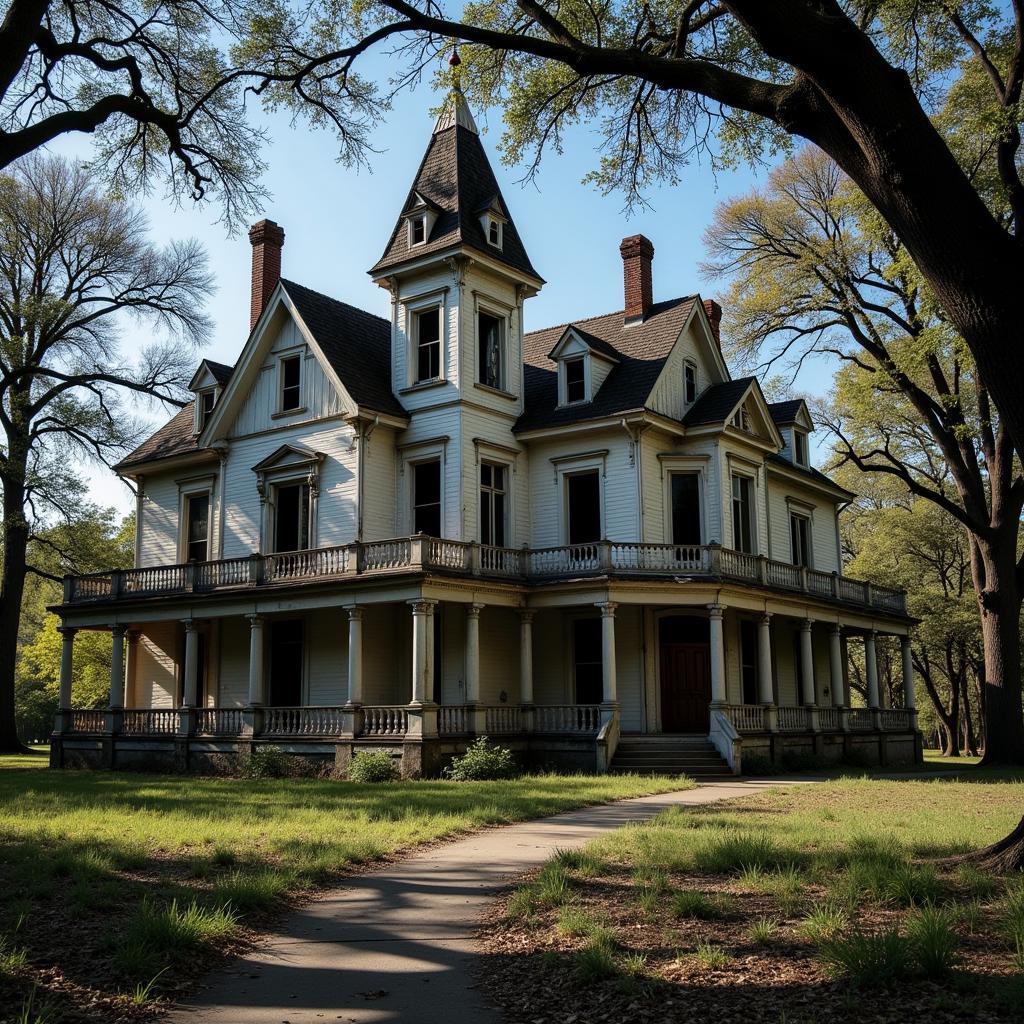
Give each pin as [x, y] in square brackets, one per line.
[1010, 914]
[373, 766]
[932, 939]
[575, 922]
[825, 920]
[763, 931]
[596, 961]
[689, 903]
[866, 958]
[483, 762]
[736, 850]
[246, 891]
[267, 762]
[712, 957]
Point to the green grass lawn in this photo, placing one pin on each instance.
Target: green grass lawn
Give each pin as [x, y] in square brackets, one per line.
[111, 878]
[934, 758]
[806, 904]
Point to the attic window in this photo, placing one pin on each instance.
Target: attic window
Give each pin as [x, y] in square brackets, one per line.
[575, 381]
[742, 420]
[291, 374]
[207, 400]
[417, 230]
[689, 383]
[494, 232]
[800, 448]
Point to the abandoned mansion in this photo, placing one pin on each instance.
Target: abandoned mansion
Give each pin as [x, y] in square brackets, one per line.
[588, 542]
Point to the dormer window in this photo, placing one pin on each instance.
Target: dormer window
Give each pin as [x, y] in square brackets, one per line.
[494, 232]
[689, 383]
[800, 456]
[207, 400]
[290, 376]
[742, 420]
[417, 229]
[575, 380]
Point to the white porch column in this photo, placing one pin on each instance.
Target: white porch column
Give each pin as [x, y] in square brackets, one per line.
[766, 692]
[421, 623]
[909, 697]
[835, 664]
[188, 681]
[609, 688]
[257, 675]
[355, 654]
[473, 652]
[719, 694]
[807, 663]
[526, 656]
[67, 664]
[871, 669]
[117, 667]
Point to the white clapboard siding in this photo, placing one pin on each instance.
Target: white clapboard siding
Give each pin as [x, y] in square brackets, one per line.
[159, 522]
[552, 682]
[327, 657]
[380, 475]
[496, 429]
[425, 428]
[156, 666]
[629, 668]
[499, 655]
[233, 689]
[667, 395]
[823, 524]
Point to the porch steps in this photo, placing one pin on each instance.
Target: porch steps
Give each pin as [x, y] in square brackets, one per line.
[668, 755]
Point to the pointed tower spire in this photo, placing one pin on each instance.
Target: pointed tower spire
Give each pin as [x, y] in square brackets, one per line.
[455, 110]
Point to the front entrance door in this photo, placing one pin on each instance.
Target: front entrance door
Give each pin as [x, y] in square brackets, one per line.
[685, 674]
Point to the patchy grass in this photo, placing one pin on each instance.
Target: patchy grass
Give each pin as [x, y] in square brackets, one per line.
[122, 886]
[809, 903]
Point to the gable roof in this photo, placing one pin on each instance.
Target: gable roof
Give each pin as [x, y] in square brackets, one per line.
[716, 403]
[787, 412]
[357, 344]
[641, 350]
[592, 341]
[176, 437]
[221, 371]
[456, 177]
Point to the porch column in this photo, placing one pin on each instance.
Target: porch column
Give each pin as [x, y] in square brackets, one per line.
[716, 612]
[421, 623]
[766, 693]
[871, 669]
[67, 664]
[909, 697]
[609, 694]
[188, 682]
[355, 654]
[810, 697]
[835, 666]
[473, 652]
[526, 655]
[257, 676]
[117, 634]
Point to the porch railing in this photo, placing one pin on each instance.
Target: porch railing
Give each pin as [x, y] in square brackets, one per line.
[422, 553]
[828, 719]
[150, 721]
[303, 721]
[861, 718]
[87, 721]
[894, 719]
[391, 720]
[453, 719]
[219, 721]
[746, 717]
[502, 718]
[793, 719]
[572, 718]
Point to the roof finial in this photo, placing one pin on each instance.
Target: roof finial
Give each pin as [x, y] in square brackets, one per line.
[455, 62]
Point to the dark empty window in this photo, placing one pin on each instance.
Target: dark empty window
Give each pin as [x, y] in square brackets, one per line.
[685, 508]
[207, 400]
[583, 495]
[489, 356]
[492, 504]
[690, 382]
[742, 511]
[426, 498]
[494, 232]
[419, 230]
[290, 381]
[291, 518]
[587, 661]
[428, 345]
[800, 447]
[575, 381]
[748, 660]
[800, 539]
[286, 658]
[798, 667]
[198, 540]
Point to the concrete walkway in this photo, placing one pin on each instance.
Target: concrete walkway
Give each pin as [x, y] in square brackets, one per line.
[396, 944]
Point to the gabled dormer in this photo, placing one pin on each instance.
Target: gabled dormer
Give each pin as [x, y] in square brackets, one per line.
[206, 385]
[795, 424]
[493, 220]
[583, 361]
[738, 409]
[420, 218]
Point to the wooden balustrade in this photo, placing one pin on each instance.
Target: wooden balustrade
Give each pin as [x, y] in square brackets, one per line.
[502, 718]
[829, 719]
[300, 565]
[389, 720]
[571, 718]
[302, 721]
[497, 561]
[149, 722]
[794, 719]
[454, 720]
[746, 717]
[219, 721]
[861, 718]
[894, 719]
[87, 721]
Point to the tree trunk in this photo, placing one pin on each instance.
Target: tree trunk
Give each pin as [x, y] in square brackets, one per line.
[12, 587]
[970, 738]
[948, 720]
[1001, 858]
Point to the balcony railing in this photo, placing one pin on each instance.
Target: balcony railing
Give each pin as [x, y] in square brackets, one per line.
[431, 554]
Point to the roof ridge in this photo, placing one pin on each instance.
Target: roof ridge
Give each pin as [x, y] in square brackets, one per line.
[615, 312]
[330, 298]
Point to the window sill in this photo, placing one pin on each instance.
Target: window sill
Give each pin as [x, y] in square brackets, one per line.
[500, 392]
[282, 413]
[424, 385]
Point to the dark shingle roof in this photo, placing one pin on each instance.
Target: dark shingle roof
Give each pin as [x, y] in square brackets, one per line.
[175, 437]
[357, 344]
[456, 176]
[716, 402]
[221, 371]
[810, 472]
[596, 343]
[785, 413]
[641, 349]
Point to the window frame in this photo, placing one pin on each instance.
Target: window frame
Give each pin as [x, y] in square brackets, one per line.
[494, 226]
[417, 318]
[203, 414]
[751, 519]
[283, 360]
[672, 471]
[187, 498]
[492, 490]
[187, 489]
[800, 437]
[584, 381]
[502, 321]
[418, 219]
[276, 487]
[433, 458]
[808, 542]
[689, 382]
[574, 465]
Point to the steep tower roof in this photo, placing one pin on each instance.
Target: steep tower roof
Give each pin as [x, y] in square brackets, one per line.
[456, 183]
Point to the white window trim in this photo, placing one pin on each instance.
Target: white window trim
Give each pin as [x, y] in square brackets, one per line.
[563, 385]
[199, 425]
[191, 489]
[574, 466]
[428, 217]
[807, 517]
[509, 466]
[689, 364]
[669, 469]
[806, 464]
[412, 308]
[412, 455]
[287, 479]
[755, 515]
[504, 370]
[282, 357]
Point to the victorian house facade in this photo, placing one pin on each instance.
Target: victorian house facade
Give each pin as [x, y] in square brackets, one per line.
[588, 541]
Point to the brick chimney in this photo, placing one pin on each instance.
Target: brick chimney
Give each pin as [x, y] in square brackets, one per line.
[714, 312]
[637, 254]
[267, 240]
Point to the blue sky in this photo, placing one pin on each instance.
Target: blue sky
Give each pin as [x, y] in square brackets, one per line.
[337, 221]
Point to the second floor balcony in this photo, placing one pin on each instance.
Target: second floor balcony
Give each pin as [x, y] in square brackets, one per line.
[423, 554]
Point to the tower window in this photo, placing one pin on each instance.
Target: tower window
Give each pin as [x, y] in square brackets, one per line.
[490, 357]
[494, 232]
[418, 230]
[428, 345]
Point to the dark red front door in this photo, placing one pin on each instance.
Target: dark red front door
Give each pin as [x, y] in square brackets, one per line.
[685, 687]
